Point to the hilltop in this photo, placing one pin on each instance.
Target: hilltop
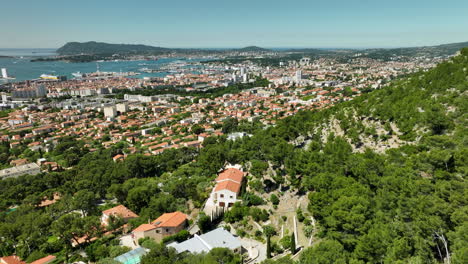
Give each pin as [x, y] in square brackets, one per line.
[98, 48]
[92, 47]
[252, 49]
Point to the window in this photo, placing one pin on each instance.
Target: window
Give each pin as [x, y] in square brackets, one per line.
[167, 230]
[221, 195]
[230, 197]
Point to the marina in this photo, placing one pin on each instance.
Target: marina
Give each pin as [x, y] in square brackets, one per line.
[18, 64]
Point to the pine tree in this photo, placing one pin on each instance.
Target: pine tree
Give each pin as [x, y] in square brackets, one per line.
[293, 244]
[268, 247]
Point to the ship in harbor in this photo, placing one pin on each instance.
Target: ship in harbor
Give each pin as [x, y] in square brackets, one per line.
[5, 75]
[49, 77]
[77, 74]
[102, 75]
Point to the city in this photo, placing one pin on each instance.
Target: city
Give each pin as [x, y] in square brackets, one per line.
[266, 137]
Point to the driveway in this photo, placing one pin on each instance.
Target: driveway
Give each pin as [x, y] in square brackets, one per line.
[256, 249]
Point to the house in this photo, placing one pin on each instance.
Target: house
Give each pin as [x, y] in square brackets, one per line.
[118, 211]
[166, 225]
[11, 260]
[30, 168]
[19, 162]
[45, 260]
[118, 157]
[218, 238]
[228, 186]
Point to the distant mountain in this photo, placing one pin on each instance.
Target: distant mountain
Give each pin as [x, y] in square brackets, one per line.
[92, 47]
[252, 49]
[99, 48]
[438, 50]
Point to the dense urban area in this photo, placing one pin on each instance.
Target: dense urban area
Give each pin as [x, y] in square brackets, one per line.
[241, 156]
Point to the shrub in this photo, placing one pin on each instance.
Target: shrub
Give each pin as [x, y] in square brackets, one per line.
[274, 199]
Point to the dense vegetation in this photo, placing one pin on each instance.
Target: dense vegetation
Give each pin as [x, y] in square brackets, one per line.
[404, 205]
[397, 207]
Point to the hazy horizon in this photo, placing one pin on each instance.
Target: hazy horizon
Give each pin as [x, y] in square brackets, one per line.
[237, 47]
[215, 24]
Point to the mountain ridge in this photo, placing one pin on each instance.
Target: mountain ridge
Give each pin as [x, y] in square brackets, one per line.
[97, 48]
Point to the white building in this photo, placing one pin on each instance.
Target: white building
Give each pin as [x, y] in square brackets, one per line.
[228, 186]
[298, 76]
[30, 168]
[245, 77]
[242, 71]
[122, 108]
[110, 111]
[218, 238]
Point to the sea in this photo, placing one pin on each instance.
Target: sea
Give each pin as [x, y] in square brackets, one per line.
[21, 67]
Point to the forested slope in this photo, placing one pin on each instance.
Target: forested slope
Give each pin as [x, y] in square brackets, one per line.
[400, 205]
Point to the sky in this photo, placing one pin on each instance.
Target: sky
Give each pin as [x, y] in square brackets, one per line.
[234, 23]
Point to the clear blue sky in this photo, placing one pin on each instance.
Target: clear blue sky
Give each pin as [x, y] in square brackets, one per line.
[234, 23]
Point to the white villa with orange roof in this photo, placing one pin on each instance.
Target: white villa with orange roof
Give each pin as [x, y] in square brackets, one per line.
[228, 186]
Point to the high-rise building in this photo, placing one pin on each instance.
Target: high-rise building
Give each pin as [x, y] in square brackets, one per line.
[298, 76]
[122, 108]
[110, 112]
[242, 71]
[41, 90]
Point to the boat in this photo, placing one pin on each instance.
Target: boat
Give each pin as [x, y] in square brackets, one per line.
[77, 74]
[5, 75]
[49, 77]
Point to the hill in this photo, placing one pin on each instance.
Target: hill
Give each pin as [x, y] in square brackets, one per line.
[92, 47]
[385, 174]
[252, 49]
[100, 48]
[433, 51]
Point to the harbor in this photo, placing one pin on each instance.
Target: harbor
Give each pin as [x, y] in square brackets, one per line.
[20, 66]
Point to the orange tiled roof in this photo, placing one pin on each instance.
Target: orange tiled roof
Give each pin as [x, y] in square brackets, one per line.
[11, 260]
[144, 227]
[170, 219]
[231, 174]
[228, 185]
[44, 260]
[120, 211]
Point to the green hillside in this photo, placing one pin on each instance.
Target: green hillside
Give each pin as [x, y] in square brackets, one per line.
[393, 207]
